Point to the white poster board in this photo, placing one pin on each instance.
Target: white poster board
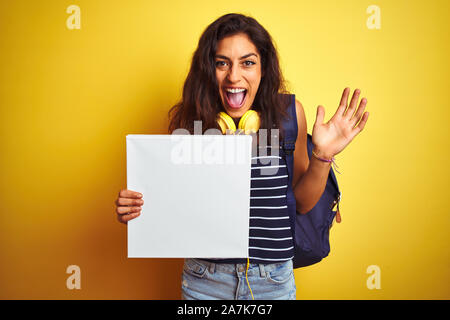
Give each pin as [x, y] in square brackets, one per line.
[196, 192]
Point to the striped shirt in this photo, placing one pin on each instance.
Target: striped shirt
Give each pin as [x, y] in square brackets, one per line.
[270, 234]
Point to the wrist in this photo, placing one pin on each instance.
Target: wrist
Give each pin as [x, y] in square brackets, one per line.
[322, 154]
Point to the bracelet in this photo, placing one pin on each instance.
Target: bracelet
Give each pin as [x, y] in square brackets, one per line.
[327, 160]
[322, 159]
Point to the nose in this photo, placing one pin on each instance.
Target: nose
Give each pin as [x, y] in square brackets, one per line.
[234, 73]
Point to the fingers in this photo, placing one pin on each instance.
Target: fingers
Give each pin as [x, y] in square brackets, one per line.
[125, 214]
[320, 114]
[360, 111]
[126, 210]
[128, 205]
[129, 202]
[127, 217]
[343, 102]
[351, 108]
[362, 123]
[129, 194]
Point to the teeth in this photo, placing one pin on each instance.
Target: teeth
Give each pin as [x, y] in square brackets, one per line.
[234, 90]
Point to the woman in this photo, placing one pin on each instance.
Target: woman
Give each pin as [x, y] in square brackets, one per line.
[235, 69]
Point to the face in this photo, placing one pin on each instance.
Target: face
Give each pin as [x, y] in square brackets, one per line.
[238, 73]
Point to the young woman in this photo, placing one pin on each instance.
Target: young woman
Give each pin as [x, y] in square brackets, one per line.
[235, 69]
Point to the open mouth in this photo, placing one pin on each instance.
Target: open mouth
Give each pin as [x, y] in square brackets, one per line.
[235, 97]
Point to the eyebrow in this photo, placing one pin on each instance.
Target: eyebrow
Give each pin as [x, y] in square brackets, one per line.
[243, 57]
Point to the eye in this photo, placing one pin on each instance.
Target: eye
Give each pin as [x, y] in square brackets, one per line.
[220, 63]
[250, 63]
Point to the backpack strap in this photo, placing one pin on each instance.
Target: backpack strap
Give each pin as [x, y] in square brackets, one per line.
[290, 131]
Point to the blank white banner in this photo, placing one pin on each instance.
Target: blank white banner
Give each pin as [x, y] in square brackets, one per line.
[196, 195]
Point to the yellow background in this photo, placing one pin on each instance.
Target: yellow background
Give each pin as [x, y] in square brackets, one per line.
[68, 98]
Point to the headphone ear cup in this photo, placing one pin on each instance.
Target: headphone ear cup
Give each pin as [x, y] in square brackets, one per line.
[250, 122]
[225, 122]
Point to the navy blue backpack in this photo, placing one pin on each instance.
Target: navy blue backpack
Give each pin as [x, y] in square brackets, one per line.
[311, 230]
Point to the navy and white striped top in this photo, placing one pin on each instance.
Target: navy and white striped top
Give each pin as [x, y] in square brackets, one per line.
[270, 235]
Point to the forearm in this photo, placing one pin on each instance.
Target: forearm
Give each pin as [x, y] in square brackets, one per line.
[311, 185]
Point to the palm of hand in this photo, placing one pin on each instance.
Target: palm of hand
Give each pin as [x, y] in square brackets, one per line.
[332, 137]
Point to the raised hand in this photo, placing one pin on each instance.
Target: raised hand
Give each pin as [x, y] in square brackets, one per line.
[332, 137]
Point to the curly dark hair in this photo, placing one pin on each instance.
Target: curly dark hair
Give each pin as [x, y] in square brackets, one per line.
[201, 98]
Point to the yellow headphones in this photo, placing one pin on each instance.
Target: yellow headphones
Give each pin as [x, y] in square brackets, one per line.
[249, 122]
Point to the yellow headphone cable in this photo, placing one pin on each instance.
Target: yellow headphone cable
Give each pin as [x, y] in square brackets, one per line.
[249, 123]
[246, 278]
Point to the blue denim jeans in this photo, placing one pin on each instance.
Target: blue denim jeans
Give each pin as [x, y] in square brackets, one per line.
[203, 280]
